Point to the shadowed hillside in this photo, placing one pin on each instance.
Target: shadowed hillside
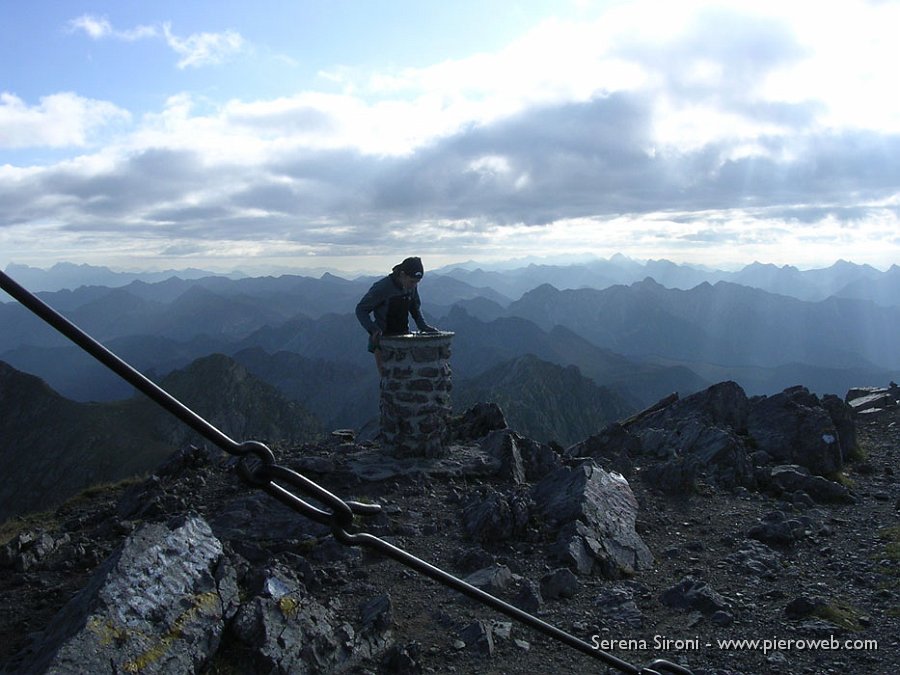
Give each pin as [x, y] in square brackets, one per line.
[52, 447]
[545, 401]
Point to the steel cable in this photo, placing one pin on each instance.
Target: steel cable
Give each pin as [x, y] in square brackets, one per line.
[258, 468]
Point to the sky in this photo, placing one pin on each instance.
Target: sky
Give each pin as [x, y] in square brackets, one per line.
[347, 135]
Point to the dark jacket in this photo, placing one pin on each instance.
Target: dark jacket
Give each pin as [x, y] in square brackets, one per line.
[390, 305]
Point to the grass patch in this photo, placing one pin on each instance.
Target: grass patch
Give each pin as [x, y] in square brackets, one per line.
[306, 546]
[857, 453]
[841, 478]
[50, 519]
[101, 489]
[11, 528]
[840, 614]
[891, 538]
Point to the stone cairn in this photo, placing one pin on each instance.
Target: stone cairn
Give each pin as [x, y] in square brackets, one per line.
[415, 393]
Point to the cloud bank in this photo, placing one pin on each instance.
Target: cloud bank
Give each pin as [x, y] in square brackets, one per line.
[196, 50]
[700, 135]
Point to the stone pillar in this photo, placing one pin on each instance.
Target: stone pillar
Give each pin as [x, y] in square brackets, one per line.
[415, 393]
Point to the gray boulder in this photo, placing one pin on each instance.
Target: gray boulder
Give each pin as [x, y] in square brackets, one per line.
[795, 428]
[700, 436]
[540, 459]
[497, 516]
[503, 446]
[157, 605]
[842, 416]
[28, 549]
[863, 399]
[478, 421]
[618, 608]
[529, 597]
[560, 583]
[614, 448]
[493, 580]
[777, 529]
[521, 459]
[595, 513]
[793, 478]
[286, 630]
[694, 595]
[478, 637]
[723, 405]
[755, 557]
[697, 449]
[719, 435]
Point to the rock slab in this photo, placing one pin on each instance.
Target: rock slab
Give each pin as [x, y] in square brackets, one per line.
[595, 513]
[158, 605]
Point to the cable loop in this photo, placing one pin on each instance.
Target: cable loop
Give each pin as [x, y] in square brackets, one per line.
[261, 450]
[255, 461]
[339, 515]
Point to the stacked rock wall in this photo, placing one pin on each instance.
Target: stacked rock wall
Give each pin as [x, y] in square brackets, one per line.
[415, 393]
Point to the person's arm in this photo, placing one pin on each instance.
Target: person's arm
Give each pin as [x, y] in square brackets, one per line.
[415, 311]
[364, 308]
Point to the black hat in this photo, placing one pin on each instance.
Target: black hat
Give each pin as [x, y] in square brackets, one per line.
[411, 267]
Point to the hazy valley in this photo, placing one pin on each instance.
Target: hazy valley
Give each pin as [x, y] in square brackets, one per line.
[563, 349]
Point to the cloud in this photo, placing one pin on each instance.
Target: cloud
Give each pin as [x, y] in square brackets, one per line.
[196, 50]
[204, 49]
[636, 134]
[585, 167]
[94, 27]
[59, 120]
[98, 28]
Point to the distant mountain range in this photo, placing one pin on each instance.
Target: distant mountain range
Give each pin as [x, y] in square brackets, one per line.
[480, 346]
[504, 282]
[843, 278]
[722, 324]
[563, 349]
[638, 331]
[69, 275]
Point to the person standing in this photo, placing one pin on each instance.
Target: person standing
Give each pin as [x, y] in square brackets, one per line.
[386, 307]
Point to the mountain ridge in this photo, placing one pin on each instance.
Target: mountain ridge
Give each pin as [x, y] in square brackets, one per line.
[717, 321]
[546, 401]
[72, 275]
[72, 445]
[512, 280]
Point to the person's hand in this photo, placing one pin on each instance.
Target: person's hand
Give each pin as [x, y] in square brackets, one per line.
[376, 336]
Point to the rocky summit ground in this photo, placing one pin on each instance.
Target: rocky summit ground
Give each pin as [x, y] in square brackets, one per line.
[744, 575]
